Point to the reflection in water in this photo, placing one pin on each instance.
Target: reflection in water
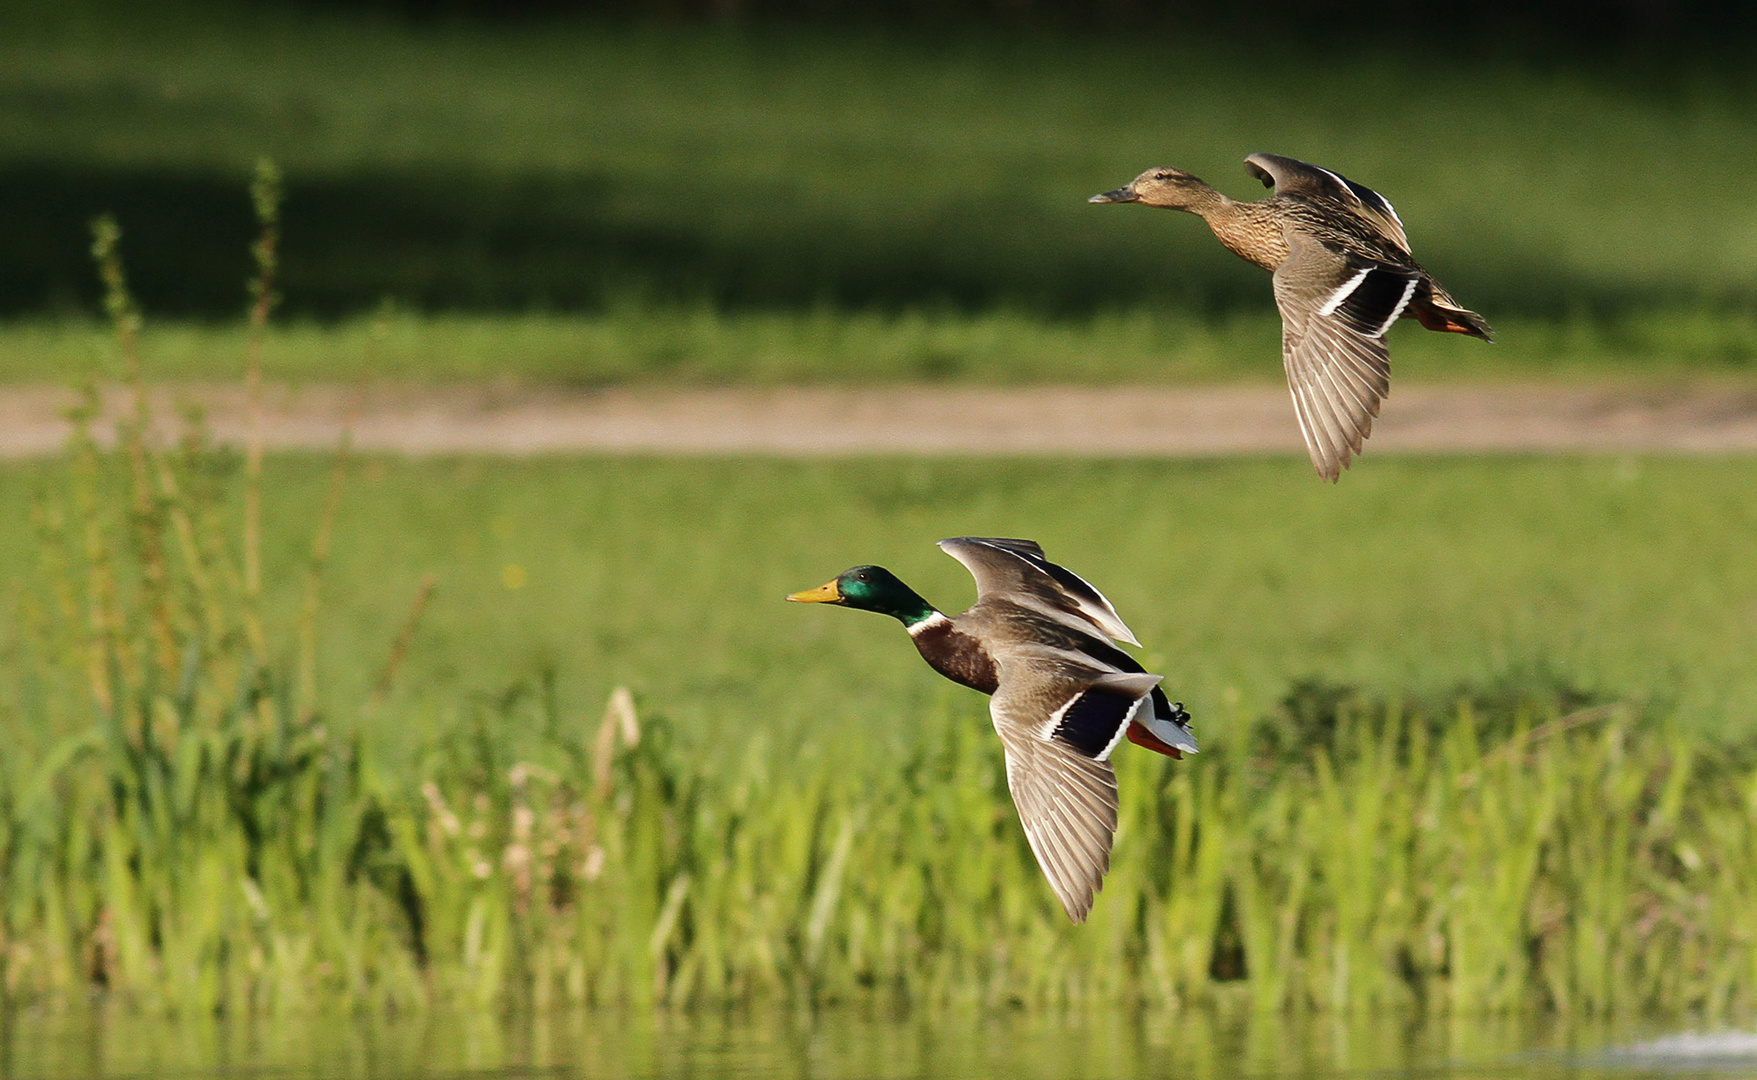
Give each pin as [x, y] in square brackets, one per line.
[850, 1043]
[1717, 1050]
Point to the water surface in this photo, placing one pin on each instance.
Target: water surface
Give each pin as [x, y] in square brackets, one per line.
[849, 1043]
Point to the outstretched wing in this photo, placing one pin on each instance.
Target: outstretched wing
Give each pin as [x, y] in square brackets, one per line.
[1334, 315]
[1290, 176]
[1017, 570]
[1058, 738]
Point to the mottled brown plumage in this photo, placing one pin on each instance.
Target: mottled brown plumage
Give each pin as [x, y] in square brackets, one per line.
[1343, 275]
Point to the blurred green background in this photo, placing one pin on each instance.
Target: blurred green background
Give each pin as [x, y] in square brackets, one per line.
[563, 174]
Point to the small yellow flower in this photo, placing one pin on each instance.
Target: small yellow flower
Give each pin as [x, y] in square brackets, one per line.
[512, 575]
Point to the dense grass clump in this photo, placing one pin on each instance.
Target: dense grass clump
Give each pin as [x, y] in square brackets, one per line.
[244, 861]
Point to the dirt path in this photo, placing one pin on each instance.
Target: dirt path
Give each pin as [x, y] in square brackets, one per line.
[1120, 421]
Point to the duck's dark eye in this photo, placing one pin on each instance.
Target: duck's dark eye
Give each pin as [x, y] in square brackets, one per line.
[1162, 176]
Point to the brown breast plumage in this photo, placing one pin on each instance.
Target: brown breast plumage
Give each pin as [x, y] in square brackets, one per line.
[1251, 230]
[958, 656]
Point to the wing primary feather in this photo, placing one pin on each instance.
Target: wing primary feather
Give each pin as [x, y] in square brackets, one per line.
[1091, 604]
[1061, 867]
[1341, 373]
[1356, 414]
[1343, 187]
[1066, 802]
[1316, 445]
[1305, 426]
[1318, 408]
[1348, 406]
[1375, 377]
[1372, 377]
[1296, 329]
[1329, 405]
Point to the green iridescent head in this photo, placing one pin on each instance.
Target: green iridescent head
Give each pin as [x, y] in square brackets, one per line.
[870, 588]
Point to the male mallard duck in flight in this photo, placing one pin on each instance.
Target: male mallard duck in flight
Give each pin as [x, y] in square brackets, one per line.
[1038, 638]
[1343, 275]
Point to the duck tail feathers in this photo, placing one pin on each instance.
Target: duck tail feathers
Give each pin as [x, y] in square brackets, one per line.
[1452, 320]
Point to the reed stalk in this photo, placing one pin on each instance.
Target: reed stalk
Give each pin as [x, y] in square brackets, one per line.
[265, 197]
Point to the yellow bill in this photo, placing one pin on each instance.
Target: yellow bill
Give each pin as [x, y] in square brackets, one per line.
[827, 593]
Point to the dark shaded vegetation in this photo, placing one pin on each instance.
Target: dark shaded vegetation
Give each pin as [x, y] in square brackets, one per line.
[1316, 712]
[1533, 27]
[473, 242]
[470, 241]
[1548, 25]
[1322, 716]
[458, 161]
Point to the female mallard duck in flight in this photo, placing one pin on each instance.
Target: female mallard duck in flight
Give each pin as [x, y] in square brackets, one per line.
[1038, 638]
[1343, 275]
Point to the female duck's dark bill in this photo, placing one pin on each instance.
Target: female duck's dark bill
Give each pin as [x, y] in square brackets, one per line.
[827, 593]
[1121, 194]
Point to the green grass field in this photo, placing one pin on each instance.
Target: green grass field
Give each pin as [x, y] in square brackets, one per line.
[698, 344]
[591, 203]
[1630, 578]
